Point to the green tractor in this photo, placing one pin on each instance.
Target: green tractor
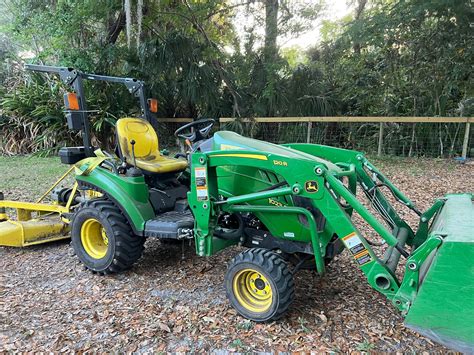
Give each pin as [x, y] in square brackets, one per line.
[290, 205]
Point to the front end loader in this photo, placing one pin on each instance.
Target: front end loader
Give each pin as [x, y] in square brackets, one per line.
[290, 206]
[296, 202]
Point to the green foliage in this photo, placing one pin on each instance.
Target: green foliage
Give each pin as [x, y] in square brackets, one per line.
[365, 346]
[409, 58]
[33, 119]
[294, 56]
[245, 325]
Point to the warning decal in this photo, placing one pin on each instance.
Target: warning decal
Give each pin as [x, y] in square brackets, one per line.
[363, 257]
[357, 248]
[201, 184]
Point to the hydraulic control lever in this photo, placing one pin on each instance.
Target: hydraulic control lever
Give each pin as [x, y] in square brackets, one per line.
[132, 142]
[134, 170]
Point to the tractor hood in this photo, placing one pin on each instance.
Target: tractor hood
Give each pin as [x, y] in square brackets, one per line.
[227, 140]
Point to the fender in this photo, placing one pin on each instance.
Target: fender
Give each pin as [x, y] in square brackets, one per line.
[129, 193]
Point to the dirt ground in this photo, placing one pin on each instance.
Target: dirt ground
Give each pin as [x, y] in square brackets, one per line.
[48, 302]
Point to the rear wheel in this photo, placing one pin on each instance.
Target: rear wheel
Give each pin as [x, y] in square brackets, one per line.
[102, 238]
[259, 285]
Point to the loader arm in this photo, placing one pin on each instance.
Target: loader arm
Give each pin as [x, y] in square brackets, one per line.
[300, 175]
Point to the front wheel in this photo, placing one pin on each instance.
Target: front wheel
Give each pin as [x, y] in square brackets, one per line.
[103, 239]
[259, 285]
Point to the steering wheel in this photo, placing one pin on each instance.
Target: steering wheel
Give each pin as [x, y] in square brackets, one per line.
[197, 134]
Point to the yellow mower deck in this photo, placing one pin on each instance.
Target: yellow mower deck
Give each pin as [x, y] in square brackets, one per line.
[36, 223]
[21, 234]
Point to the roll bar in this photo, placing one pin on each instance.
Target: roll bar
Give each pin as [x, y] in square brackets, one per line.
[74, 78]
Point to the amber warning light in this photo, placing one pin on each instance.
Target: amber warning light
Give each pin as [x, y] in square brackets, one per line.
[153, 105]
[71, 101]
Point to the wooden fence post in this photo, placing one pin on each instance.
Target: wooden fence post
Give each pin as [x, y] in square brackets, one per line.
[465, 143]
[379, 150]
[308, 134]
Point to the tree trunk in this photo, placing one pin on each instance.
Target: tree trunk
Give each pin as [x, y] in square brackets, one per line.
[115, 27]
[270, 52]
[271, 31]
[358, 14]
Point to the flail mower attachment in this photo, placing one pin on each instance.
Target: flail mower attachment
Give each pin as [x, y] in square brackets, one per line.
[37, 222]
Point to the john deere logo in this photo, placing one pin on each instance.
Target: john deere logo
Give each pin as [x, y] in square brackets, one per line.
[311, 186]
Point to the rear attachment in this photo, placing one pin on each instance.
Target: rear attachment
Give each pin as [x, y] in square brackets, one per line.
[37, 222]
[443, 309]
[34, 231]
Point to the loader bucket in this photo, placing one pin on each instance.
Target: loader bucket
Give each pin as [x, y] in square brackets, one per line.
[443, 309]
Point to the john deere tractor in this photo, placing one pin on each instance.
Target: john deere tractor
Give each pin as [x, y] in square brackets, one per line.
[290, 205]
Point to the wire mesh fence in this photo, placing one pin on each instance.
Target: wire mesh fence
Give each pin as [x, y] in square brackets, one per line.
[165, 131]
[450, 138]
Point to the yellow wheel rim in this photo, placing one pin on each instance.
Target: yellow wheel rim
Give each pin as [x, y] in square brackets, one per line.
[252, 290]
[94, 239]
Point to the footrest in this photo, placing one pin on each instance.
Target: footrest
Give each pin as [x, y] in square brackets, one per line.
[170, 225]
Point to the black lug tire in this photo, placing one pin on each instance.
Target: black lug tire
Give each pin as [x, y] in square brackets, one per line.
[275, 269]
[124, 247]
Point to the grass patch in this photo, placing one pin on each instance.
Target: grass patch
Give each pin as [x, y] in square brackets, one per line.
[365, 346]
[30, 174]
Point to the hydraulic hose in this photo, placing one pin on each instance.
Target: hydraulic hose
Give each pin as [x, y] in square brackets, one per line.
[235, 234]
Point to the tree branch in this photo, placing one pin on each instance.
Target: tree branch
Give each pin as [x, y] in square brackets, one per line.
[227, 9]
[115, 28]
[216, 63]
[218, 66]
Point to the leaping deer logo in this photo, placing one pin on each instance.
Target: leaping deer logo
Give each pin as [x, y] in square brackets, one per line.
[311, 186]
